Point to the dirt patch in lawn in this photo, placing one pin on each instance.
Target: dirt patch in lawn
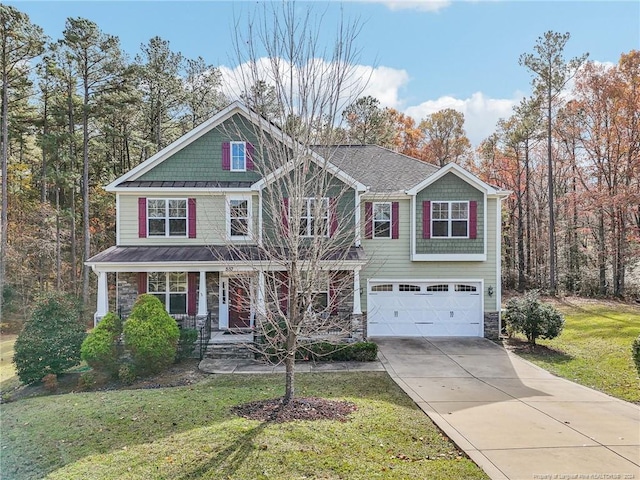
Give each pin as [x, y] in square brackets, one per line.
[309, 408]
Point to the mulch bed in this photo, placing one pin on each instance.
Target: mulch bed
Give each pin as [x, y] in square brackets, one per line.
[309, 408]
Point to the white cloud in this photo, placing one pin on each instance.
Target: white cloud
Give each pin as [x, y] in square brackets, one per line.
[382, 83]
[480, 112]
[420, 5]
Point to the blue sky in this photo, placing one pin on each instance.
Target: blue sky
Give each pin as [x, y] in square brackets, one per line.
[423, 55]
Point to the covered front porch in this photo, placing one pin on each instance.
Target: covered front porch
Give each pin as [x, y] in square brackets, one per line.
[206, 286]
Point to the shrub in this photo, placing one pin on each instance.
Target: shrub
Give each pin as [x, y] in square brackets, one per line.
[338, 352]
[50, 339]
[534, 319]
[87, 381]
[150, 336]
[100, 349]
[187, 342]
[635, 350]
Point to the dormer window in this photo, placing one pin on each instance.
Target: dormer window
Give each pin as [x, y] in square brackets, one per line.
[238, 156]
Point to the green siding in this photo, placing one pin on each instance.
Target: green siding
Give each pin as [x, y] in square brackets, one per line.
[202, 159]
[332, 188]
[450, 188]
[391, 259]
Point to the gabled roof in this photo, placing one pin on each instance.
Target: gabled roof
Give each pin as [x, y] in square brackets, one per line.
[128, 179]
[461, 173]
[380, 169]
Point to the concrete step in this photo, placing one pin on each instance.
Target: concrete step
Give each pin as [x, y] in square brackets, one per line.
[229, 350]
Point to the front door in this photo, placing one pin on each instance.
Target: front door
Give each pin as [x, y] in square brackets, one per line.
[239, 304]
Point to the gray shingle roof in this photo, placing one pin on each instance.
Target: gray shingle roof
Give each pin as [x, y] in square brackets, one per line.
[379, 168]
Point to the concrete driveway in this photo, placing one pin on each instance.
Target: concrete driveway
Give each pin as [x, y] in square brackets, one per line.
[514, 419]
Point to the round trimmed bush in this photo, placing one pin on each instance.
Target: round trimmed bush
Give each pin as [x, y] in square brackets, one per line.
[50, 340]
[529, 316]
[100, 348]
[150, 336]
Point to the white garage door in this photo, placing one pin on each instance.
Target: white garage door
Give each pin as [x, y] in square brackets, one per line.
[433, 309]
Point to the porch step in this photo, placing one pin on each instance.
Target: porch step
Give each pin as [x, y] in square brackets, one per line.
[229, 350]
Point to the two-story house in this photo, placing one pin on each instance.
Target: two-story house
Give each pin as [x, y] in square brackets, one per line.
[192, 222]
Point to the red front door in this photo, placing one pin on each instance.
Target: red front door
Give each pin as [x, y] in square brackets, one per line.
[239, 304]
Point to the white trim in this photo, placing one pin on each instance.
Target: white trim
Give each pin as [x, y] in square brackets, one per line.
[212, 266]
[202, 294]
[167, 218]
[459, 172]
[498, 286]
[178, 145]
[249, 200]
[373, 221]
[357, 303]
[260, 219]
[244, 168]
[102, 297]
[449, 257]
[413, 225]
[450, 220]
[358, 227]
[119, 220]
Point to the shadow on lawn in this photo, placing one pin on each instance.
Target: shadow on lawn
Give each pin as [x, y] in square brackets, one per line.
[229, 460]
[538, 352]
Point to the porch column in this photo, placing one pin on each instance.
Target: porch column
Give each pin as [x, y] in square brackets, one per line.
[102, 307]
[202, 295]
[260, 307]
[357, 309]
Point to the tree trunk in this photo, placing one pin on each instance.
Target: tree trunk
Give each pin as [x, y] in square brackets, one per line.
[289, 362]
[5, 163]
[85, 192]
[552, 221]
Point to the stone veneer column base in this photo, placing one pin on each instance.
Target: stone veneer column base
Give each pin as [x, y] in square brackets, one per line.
[492, 325]
[358, 327]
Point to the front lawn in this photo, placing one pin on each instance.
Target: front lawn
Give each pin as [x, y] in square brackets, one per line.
[189, 432]
[8, 378]
[594, 348]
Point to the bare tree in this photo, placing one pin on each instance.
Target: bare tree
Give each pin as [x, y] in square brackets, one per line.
[305, 253]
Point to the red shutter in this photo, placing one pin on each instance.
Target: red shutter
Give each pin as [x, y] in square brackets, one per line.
[191, 215]
[333, 294]
[395, 220]
[142, 217]
[249, 152]
[142, 283]
[368, 220]
[283, 281]
[333, 216]
[473, 219]
[285, 216]
[226, 156]
[192, 292]
[426, 219]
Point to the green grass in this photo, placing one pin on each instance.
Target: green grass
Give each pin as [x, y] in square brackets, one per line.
[594, 348]
[8, 377]
[189, 432]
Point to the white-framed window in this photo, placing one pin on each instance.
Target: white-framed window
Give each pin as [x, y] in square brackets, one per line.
[450, 219]
[382, 220]
[405, 287]
[239, 217]
[171, 289]
[167, 217]
[238, 160]
[319, 289]
[438, 288]
[314, 217]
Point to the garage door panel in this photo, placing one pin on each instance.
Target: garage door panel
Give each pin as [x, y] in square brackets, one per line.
[436, 310]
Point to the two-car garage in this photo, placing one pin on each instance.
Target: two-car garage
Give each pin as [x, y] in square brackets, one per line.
[424, 308]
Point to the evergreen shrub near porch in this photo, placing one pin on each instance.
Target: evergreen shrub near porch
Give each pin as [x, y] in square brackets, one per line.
[150, 336]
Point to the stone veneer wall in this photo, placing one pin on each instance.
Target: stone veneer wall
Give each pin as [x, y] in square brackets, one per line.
[492, 325]
[126, 292]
